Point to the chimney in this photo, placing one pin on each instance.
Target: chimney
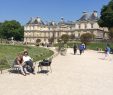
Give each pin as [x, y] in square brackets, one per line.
[38, 19]
[62, 19]
[84, 12]
[95, 13]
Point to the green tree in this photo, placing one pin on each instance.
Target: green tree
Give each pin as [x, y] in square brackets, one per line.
[37, 42]
[1, 31]
[51, 40]
[65, 38]
[86, 38]
[12, 29]
[72, 36]
[106, 18]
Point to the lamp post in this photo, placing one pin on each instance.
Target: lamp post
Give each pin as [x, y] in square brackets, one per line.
[12, 40]
[53, 24]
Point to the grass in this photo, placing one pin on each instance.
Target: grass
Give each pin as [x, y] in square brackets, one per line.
[95, 45]
[9, 52]
[92, 45]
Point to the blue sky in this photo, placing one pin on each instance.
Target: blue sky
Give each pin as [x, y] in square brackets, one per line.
[48, 10]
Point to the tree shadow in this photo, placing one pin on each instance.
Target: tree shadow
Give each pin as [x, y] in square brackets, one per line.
[43, 72]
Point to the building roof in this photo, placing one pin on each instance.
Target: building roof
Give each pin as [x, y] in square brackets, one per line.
[84, 17]
[93, 17]
[63, 22]
[89, 17]
[36, 20]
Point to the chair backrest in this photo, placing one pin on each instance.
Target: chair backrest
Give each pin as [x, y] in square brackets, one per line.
[50, 59]
[13, 63]
[46, 62]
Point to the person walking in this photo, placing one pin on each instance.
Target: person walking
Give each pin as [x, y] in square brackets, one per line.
[107, 53]
[84, 47]
[81, 48]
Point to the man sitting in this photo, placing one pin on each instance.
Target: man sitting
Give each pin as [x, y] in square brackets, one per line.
[28, 61]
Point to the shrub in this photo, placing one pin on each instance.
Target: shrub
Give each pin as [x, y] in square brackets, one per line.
[87, 38]
[65, 38]
[4, 63]
[72, 37]
[37, 42]
[51, 40]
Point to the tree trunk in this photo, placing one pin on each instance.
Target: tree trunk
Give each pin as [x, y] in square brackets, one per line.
[111, 33]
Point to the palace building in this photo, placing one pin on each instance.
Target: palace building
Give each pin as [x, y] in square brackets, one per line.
[36, 28]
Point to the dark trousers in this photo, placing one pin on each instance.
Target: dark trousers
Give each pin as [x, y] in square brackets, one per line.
[75, 51]
[80, 52]
[30, 63]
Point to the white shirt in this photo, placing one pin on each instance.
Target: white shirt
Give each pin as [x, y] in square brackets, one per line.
[26, 58]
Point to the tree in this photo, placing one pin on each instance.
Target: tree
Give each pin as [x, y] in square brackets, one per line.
[1, 31]
[65, 38]
[86, 38]
[72, 37]
[106, 18]
[12, 29]
[38, 41]
[51, 40]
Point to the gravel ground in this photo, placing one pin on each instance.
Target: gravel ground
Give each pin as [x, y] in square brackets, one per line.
[86, 74]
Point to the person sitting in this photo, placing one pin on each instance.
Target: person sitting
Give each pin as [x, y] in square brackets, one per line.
[19, 61]
[28, 61]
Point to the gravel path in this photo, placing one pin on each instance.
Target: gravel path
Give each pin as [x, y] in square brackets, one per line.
[86, 74]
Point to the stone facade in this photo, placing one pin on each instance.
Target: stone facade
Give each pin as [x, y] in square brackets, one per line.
[38, 29]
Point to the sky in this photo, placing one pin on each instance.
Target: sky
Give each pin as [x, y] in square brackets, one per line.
[47, 10]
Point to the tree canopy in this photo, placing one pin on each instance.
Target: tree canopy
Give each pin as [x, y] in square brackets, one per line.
[65, 38]
[106, 18]
[10, 29]
[87, 38]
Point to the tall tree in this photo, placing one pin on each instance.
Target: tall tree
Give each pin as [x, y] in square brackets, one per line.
[12, 29]
[106, 18]
[86, 38]
[0, 29]
[65, 38]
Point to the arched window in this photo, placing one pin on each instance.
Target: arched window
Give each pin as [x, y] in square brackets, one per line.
[95, 25]
[82, 26]
[76, 26]
[89, 26]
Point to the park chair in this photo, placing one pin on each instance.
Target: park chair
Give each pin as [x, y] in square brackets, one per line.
[45, 63]
[63, 51]
[14, 68]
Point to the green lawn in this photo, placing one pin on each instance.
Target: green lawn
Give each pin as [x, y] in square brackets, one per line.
[92, 45]
[9, 52]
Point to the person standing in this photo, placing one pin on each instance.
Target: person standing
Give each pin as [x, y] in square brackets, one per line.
[75, 48]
